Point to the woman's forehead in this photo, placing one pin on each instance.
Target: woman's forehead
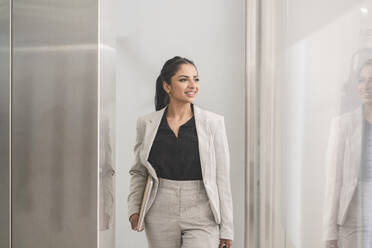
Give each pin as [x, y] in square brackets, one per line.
[366, 70]
[187, 69]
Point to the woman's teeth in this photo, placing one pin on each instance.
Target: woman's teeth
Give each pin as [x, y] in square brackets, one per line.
[190, 93]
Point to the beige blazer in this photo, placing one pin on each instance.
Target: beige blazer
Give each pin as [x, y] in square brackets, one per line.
[343, 161]
[214, 159]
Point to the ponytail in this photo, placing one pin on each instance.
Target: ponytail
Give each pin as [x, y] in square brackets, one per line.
[161, 96]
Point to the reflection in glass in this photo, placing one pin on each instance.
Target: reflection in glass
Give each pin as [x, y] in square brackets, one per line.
[347, 213]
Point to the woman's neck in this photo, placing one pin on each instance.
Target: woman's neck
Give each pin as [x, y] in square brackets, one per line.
[368, 112]
[179, 111]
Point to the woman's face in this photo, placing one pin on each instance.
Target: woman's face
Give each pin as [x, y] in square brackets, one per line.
[184, 84]
[365, 84]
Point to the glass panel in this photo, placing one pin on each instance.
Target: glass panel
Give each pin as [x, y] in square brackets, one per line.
[322, 114]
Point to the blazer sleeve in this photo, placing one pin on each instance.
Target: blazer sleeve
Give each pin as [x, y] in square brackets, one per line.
[334, 163]
[138, 174]
[223, 180]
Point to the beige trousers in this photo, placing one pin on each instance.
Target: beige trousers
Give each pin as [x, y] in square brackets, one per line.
[181, 217]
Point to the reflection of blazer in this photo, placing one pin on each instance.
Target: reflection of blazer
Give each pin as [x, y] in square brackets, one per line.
[343, 161]
[214, 160]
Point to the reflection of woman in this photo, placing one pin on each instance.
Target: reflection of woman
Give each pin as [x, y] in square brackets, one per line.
[185, 149]
[348, 208]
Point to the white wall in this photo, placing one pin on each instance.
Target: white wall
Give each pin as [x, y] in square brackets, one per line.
[211, 33]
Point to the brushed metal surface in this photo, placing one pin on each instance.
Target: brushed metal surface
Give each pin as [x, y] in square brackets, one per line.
[4, 124]
[55, 123]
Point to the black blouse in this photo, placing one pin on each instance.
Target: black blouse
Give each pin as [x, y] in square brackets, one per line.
[176, 158]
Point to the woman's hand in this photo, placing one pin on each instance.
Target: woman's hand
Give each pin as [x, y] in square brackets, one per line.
[134, 221]
[225, 243]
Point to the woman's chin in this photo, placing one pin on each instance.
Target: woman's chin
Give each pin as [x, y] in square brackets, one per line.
[190, 99]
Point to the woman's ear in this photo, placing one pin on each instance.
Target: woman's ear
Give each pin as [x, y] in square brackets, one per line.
[166, 87]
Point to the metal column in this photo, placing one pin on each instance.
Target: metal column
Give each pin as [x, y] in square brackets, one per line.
[62, 122]
[5, 21]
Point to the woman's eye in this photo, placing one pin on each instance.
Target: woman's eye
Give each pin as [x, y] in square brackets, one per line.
[184, 79]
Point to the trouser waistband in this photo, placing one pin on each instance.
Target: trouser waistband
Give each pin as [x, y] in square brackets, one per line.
[184, 184]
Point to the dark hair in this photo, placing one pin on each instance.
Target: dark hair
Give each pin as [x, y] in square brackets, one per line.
[170, 68]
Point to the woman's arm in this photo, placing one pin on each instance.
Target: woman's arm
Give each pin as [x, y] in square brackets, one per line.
[223, 180]
[138, 174]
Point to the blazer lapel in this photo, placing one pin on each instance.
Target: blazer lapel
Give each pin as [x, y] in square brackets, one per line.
[356, 144]
[204, 135]
[203, 132]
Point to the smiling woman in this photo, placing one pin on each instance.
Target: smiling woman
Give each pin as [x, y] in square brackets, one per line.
[189, 206]
[149, 35]
[348, 219]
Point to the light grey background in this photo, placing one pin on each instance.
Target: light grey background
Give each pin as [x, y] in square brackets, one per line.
[212, 34]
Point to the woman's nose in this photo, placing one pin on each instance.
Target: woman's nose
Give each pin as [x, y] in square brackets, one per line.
[193, 83]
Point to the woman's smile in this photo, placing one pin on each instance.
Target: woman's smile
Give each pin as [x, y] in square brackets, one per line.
[190, 93]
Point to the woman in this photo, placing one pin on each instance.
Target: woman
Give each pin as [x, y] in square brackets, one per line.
[185, 149]
[348, 208]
